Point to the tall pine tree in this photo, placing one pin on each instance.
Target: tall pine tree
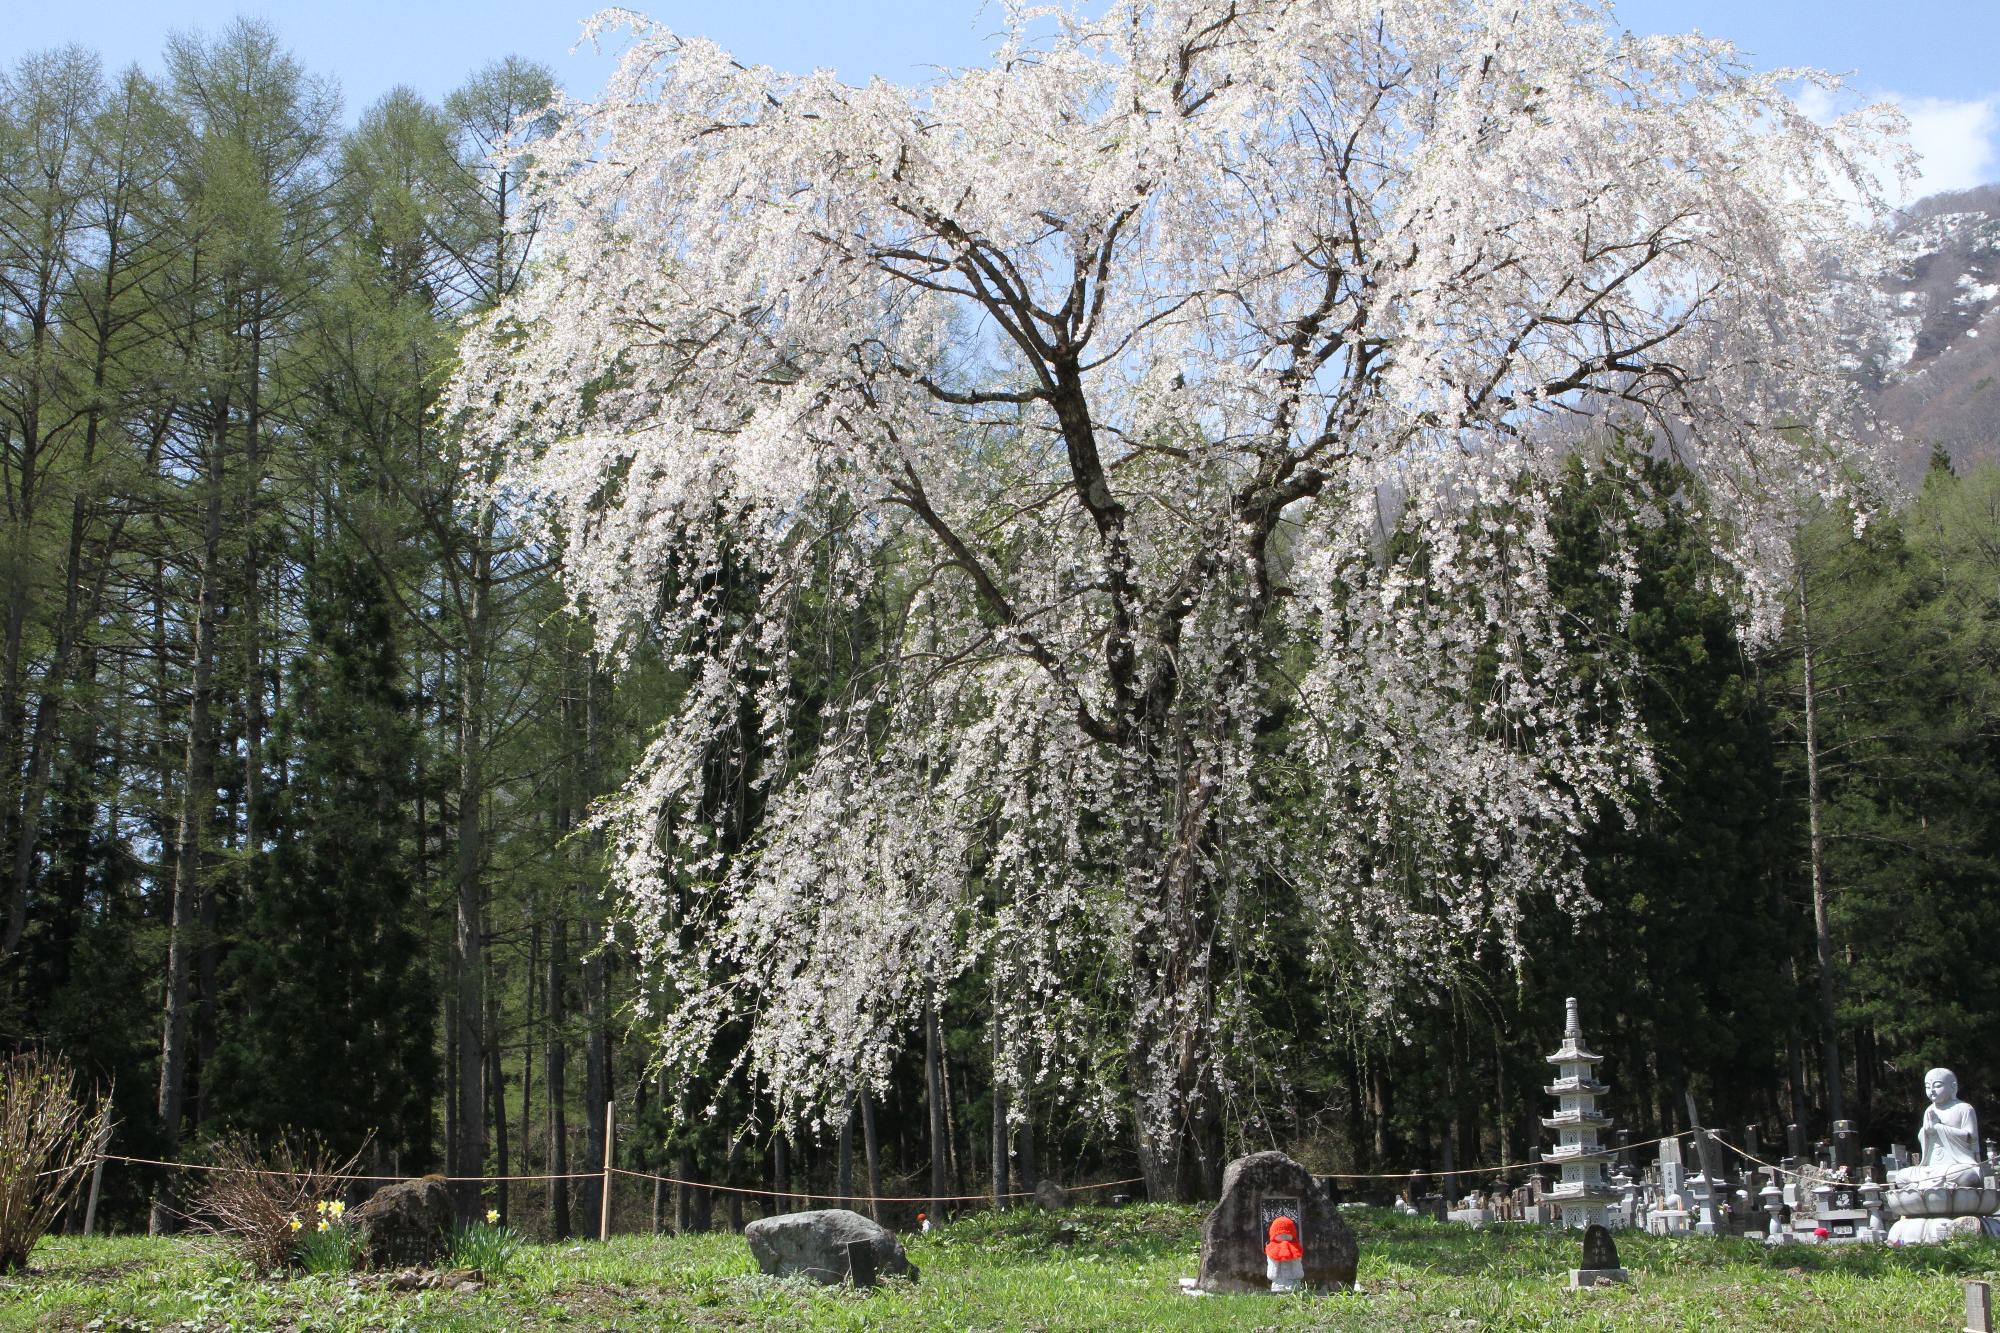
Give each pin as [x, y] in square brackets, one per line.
[334, 1004]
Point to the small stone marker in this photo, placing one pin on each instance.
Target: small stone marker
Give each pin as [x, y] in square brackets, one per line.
[1600, 1260]
[407, 1224]
[1978, 1307]
[861, 1263]
[1050, 1196]
[1599, 1250]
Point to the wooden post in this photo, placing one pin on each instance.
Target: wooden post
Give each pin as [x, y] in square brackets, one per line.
[96, 1179]
[604, 1207]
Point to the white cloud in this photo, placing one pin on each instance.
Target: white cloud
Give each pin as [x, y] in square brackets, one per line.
[1957, 143]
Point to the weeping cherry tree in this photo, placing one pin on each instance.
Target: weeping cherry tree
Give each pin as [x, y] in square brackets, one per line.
[1183, 394]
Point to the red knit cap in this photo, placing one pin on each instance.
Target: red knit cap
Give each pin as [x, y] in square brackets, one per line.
[1283, 1241]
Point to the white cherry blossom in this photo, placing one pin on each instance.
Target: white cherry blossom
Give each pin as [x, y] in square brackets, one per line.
[1183, 392]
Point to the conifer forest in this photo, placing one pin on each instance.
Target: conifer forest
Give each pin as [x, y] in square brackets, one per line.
[375, 771]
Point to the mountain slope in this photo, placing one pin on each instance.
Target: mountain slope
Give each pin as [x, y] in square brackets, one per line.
[1935, 374]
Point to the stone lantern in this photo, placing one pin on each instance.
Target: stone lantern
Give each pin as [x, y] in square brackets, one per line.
[1583, 1196]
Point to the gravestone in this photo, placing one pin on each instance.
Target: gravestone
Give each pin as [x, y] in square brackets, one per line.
[1600, 1260]
[406, 1225]
[1670, 1218]
[1847, 1149]
[818, 1245]
[1470, 1216]
[1256, 1191]
[1671, 1166]
[1838, 1209]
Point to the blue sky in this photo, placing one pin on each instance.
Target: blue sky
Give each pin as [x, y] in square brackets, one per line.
[1940, 58]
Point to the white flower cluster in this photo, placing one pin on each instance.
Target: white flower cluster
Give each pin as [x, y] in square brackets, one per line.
[1179, 398]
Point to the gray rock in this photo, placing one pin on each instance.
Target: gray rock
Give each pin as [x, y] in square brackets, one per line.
[406, 1224]
[815, 1245]
[1050, 1196]
[1254, 1190]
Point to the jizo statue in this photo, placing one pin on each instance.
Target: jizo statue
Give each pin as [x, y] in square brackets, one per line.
[1947, 1139]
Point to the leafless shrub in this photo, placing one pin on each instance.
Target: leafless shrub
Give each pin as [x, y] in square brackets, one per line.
[48, 1139]
[263, 1199]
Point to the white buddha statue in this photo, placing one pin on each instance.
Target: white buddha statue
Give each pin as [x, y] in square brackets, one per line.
[1948, 1139]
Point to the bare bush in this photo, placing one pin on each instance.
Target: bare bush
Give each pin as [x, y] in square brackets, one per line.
[48, 1139]
[265, 1199]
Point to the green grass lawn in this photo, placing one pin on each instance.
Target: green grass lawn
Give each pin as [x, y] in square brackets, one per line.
[1014, 1272]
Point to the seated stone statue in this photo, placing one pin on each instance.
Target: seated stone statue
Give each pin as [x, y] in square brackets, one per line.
[1948, 1139]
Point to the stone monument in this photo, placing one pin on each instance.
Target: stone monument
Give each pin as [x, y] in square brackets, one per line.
[408, 1223]
[1670, 1218]
[1256, 1191]
[1944, 1192]
[1600, 1260]
[1583, 1195]
[1840, 1213]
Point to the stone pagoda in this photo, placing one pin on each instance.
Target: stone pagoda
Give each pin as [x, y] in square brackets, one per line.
[1584, 1193]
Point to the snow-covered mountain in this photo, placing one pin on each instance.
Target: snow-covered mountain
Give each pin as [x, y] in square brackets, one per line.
[1935, 375]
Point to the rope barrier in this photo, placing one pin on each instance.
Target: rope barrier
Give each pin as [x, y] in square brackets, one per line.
[1779, 1170]
[1714, 1137]
[886, 1198]
[1478, 1170]
[598, 1175]
[861, 1198]
[335, 1175]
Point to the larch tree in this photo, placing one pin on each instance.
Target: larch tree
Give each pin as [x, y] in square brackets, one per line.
[248, 157]
[1197, 375]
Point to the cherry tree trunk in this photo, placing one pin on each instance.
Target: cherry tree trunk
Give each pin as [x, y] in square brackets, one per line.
[1171, 1041]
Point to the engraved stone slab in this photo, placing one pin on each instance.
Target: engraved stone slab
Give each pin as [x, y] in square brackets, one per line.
[1256, 1191]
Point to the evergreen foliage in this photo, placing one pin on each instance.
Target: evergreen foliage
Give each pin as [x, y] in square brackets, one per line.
[330, 998]
[300, 741]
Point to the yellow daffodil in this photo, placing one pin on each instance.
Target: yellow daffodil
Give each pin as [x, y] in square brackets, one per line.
[324, 1224]
[492, 1216]
[336, 1208]
[295, 1224]
[320, 1207]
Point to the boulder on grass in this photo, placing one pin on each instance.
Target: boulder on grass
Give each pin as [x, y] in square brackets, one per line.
[406, 1224]
[1050, 1196]
[815, 1245]
[1255, 1190]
